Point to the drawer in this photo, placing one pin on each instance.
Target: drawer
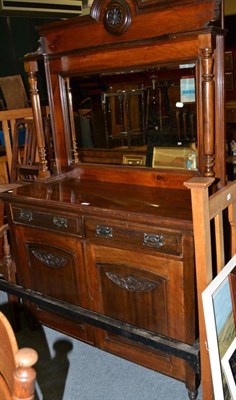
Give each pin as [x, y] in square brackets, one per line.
[56, 222]
[153, 238]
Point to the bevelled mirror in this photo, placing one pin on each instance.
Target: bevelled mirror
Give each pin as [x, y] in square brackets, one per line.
[142, 117]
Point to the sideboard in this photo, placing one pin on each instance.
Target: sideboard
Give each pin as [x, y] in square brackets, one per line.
[123, 250]
[117, 241]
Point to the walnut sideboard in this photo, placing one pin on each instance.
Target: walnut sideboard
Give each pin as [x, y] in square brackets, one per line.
[122, 250]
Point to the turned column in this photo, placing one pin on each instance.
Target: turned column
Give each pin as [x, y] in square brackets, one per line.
[25, 375]
[31, 68]
[208, 108]
[72, 121]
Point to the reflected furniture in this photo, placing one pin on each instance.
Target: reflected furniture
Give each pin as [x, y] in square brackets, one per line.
[230, 120]
[105, 253]
[24, 155]
[8, 121]
[14, 92]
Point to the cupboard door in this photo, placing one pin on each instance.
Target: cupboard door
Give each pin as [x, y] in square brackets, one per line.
[141, 289]
[52, 264]
[147, 292]
[134, 296]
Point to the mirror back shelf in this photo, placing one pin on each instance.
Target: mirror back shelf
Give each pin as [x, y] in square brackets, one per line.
[117, 76]
[146, 78]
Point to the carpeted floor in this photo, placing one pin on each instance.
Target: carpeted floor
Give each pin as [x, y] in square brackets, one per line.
[71, 370]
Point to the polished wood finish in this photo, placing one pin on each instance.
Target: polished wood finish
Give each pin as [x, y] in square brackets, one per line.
[114, 239]
[156, 36]
[115, 248]
[17, 375]
[31, 68]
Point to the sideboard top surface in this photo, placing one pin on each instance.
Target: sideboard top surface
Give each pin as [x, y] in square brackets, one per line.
[106, 199]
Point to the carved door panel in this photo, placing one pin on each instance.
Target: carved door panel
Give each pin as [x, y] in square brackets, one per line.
[141, 289]
[145, 290]
[52, 264]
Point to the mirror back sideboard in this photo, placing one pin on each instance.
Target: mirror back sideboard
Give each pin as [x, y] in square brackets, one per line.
[115, 243]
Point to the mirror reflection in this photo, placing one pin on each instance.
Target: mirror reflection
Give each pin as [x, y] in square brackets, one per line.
[145, 117]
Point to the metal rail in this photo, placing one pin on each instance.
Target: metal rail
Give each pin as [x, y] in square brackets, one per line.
[189, 353]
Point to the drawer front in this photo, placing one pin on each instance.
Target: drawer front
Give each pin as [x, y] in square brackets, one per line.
[55, 222]
[153, 238]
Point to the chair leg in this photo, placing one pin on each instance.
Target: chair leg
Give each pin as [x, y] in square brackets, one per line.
[9, 273]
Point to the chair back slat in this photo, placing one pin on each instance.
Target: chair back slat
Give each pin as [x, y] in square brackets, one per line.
[232, 221]
[219, 240]
[8, 121]
[27, 166]
[7, 140]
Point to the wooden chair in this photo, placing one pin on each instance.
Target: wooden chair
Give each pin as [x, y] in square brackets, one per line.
[4, 176]
[17, 375]
[14, 92]
[8, 271]
[214, 225]
[8, 120]
[25, 160]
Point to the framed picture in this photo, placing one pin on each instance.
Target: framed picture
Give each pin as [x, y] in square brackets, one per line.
[229, 368]
[132, 159]
[179, 157]
[219, 312]
[228, 61]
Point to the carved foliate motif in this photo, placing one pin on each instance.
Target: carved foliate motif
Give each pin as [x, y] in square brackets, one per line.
[26, 215]
[117, 17]
[131, 282]
[49, 259]
[60, 222]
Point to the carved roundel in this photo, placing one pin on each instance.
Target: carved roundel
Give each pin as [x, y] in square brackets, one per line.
[117, 17]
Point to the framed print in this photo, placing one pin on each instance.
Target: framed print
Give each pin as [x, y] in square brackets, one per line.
[219, 312]
[178, 157]
[132, 159]
[228, 61]
[229, 368]
[187, 90]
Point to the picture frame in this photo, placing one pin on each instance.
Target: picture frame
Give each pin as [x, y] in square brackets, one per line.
[133, 159]
[178, 157]
[220, 316]
[229, 61]
[229, 368]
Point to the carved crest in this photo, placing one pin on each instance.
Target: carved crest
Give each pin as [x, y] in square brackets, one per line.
[117, 17]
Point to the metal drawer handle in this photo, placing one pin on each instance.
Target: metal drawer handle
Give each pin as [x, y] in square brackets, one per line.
[153, 240]
[26, 215]
[104, 231]
[60, 222]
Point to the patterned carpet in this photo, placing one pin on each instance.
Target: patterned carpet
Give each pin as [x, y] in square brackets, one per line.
[70, 370]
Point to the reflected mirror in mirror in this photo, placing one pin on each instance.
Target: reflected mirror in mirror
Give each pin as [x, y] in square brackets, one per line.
[121, 118]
